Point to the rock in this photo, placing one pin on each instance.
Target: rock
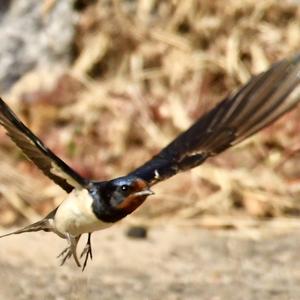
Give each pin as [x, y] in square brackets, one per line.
[137, 232]
[34, 34]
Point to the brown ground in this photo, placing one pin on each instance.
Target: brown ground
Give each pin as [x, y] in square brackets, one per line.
[174, 262]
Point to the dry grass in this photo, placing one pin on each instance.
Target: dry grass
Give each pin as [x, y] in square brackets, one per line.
[142, 71]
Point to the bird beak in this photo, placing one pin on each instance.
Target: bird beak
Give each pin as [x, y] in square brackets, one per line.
[146, 192]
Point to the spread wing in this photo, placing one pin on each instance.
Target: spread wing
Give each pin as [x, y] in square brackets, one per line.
[35, 150]
[255, 105]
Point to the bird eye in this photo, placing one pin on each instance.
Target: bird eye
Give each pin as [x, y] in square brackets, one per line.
[124, 188]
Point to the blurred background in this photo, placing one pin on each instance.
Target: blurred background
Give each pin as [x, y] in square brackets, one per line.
[106, 84]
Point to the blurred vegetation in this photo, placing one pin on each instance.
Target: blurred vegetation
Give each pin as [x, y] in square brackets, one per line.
[141, 72]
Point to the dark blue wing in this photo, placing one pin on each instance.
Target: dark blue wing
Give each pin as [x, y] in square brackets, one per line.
[254, 106]
[35, 150]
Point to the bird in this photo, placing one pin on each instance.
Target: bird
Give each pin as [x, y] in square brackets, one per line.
[92, 205]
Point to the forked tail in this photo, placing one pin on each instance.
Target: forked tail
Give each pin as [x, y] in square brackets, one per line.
[37, 226]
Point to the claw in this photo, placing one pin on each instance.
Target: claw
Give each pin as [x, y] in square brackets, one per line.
[65, 254]
[62, 252]
[87, 251]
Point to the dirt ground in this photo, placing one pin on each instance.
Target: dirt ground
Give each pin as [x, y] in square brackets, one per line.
[174, 262]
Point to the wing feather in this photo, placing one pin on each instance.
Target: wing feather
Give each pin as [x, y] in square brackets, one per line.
[255, 105]
[51, 165]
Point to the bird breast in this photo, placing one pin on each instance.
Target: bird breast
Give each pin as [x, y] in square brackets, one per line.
[75, 215]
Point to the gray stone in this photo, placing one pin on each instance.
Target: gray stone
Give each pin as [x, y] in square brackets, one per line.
[31, 37]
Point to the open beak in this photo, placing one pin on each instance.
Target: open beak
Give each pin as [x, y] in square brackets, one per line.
[146, 192]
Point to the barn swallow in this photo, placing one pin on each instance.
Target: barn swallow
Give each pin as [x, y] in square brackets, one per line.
[94, 205]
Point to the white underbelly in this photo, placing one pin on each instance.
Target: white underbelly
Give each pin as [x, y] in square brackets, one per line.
[75, 215]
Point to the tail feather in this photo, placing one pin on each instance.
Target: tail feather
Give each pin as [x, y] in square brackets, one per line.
[37, 226]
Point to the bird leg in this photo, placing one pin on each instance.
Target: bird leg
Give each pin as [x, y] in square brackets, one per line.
[70, 250]
[87, 251]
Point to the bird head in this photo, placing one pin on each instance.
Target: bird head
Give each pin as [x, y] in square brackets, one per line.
[127, 193]
[119, 197]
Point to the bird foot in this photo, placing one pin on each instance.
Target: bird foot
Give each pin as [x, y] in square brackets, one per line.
[87, 251]
[70, 250]
[64, 255]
